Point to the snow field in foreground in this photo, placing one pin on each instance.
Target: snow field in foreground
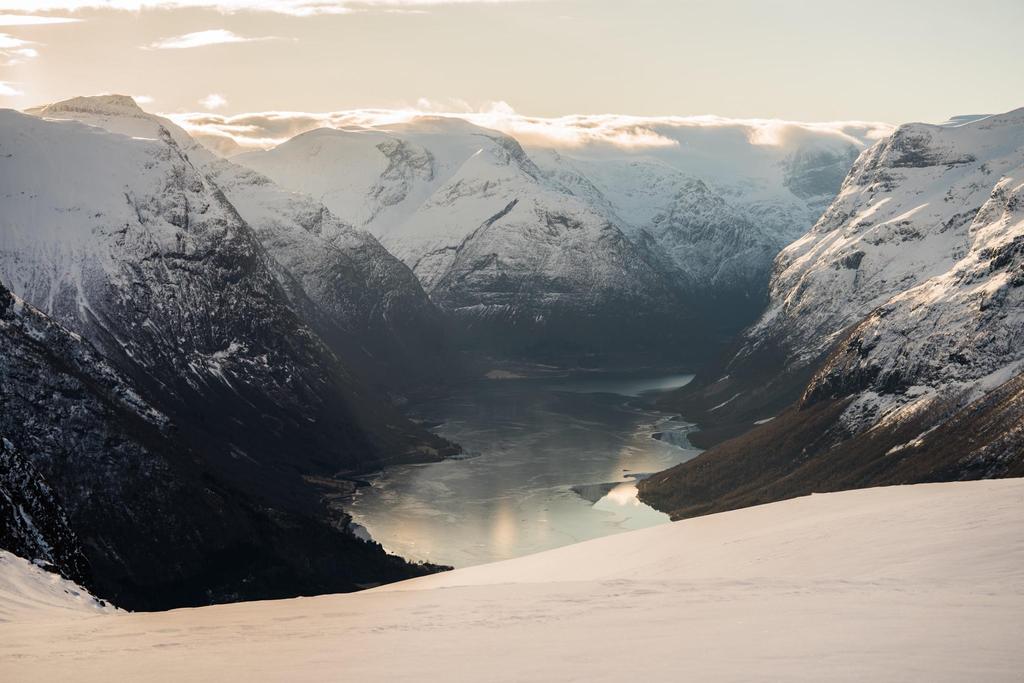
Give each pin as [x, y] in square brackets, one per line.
[918, 583]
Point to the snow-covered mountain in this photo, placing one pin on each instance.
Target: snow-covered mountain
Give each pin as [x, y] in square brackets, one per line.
[920, 253]
[126, 242]
[542, 241]
[360, 299]
[719, 203]
[231, 397]
[904, 583]
[516, 258]
[908, 211]
[906, 303]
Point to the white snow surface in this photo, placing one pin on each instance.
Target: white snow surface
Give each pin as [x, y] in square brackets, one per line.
[909, 583]
[28, 591]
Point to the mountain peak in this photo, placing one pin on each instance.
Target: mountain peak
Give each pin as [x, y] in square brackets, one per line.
[119, 105]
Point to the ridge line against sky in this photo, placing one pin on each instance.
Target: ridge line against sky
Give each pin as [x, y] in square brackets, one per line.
[829, 60]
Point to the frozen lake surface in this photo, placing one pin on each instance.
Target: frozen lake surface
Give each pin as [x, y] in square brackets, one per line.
[549, 462]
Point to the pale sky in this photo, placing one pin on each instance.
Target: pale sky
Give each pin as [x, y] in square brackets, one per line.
[813, 60]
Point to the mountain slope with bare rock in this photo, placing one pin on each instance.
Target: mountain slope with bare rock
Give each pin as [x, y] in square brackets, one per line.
[905, 306]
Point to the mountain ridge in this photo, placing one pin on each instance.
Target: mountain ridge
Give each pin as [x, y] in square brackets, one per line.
[132, 251]
[360, 299]
[896, 317]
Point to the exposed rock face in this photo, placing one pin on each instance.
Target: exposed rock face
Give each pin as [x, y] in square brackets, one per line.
[806, 450]
[366, 304]
[90, 446]
[183, 462]
[904, 215]
[961, 332]
[129, 245]
[106, 491]
[907, 301]
[34, 524]
[361, 300]
[718, 204]
[720, 237]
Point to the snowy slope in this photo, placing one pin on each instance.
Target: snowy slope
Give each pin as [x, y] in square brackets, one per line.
[948, 340]
[122, 114]
[899, 584]
[358, 297]
[904, 215]
[922, 250]
[720, 202]
[898, 321]
[362, 300]
[29, 591]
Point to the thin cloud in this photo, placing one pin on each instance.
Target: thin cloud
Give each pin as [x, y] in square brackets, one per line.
[263, 130]
[14, 51]
[214, 101]
[301, 8]
[216, 36]
[7, 89]
[33, 20]
[9, 42]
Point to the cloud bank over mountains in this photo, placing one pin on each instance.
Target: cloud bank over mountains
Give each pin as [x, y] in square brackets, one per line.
[217, 36]
[262, 130]
[300, 8]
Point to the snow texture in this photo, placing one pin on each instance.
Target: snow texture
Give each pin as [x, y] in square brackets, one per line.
[915, 271]
[900, 584]
[30, 591]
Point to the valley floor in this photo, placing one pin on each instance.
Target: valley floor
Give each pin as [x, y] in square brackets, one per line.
[922, 583]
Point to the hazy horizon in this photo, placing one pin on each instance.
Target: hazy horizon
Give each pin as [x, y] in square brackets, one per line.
[793, 61]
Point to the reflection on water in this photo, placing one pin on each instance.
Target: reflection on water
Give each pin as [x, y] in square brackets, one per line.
[550, 462]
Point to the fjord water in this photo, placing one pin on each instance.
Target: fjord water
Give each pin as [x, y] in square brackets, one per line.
[549, 462]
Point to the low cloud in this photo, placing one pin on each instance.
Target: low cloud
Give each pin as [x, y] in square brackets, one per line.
[216, 36]
[7, 89]
[15, 51]
[301, 8]
[8, 42]
[612, 132]
[214, 101]
[33, 20]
